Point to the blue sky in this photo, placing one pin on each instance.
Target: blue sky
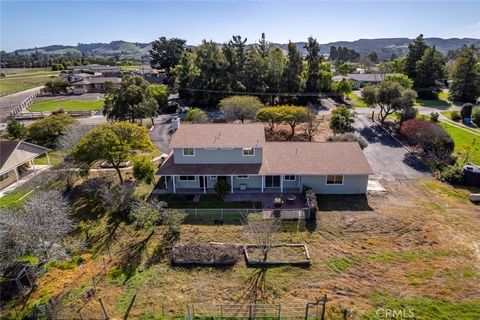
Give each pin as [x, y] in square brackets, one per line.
[27, 24]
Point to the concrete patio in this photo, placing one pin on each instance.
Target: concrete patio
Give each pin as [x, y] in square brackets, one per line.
[267, 199]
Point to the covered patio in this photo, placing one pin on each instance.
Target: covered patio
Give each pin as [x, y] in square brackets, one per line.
[288, 200]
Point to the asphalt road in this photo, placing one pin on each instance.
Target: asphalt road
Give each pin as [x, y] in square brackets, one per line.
[160, 133]
[388, 158]
[8, 102]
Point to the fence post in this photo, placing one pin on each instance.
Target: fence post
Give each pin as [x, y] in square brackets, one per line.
[221, 213]
[221, 311]
[324, 306]
[279, 311]
[250, 312]
[129, 307]
[306, 311]
[103, 309]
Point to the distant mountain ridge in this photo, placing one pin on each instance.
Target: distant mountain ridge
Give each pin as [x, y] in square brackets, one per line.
[384, 47]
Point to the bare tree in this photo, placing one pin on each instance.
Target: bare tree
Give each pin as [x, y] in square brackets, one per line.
[261, 231]
[72, 135]
[311, 125]
[36, 226]
[111, 197]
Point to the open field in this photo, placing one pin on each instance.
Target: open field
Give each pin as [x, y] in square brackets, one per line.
[415, 247]
[465, 141]
[441, 101]
[356, 101]
[22, 81]
[67, 105]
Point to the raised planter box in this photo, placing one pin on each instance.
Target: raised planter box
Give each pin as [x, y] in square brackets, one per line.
[278, 255]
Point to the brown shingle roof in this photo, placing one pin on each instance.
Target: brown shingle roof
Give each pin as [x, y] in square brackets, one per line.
[218, 135]
[170, 168]
[298, 158]
[314, 158]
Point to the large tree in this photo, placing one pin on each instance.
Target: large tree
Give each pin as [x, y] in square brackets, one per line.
[313, 62]
[416, 50]
[276, 63]
[255, 72]
[240, 107]
[263, 46]
[235, 56]
[209, 83]
[465, 76]
[166, 53]
[390, 97]
[131, 100]
[114, 143]
[46, 131]
[292, 75]
[159, 92]
[430, 71]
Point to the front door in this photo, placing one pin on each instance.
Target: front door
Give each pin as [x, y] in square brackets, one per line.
[202, 181]
[222, 178]
[272, 181]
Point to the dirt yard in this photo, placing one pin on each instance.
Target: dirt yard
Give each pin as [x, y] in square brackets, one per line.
[417, 246]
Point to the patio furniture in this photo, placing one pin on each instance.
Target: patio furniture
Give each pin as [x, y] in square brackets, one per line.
[291, 198]
[277, 202]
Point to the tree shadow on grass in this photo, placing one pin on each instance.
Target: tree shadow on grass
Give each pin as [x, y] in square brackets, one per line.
[256, 290]
[162, 250]
[131, 258]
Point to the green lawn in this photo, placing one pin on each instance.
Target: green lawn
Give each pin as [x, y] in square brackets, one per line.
[15, 198]
[67, 105]
[19, 82]
[441, 101]
[128, 68]
[356, 101]
[56, 157]
[464, 141]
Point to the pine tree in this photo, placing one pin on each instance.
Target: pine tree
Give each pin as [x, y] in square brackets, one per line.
[415, 53]
[263, 46]
[430, 71]
[292, 81]
[313, 62]
[235, 55]
[465, 76]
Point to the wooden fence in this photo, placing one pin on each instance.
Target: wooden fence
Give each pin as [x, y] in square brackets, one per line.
[27, 102]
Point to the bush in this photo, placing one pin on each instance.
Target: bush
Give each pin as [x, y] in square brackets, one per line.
[408, 113]
[476, 116]
[341, 119]
[349, 136]
[16, 130]
[466, 111]
[56, 85]
[434, 116]
[196, 115]
[144, 169]
[46, 131]
[452, 174]
[431, 137]
[455, 116]
[222, 187]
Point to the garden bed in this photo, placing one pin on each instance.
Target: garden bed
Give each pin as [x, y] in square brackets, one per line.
[206, 254]
[278, 255]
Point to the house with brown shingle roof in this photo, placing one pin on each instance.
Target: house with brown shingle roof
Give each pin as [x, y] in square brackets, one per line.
[204, 154]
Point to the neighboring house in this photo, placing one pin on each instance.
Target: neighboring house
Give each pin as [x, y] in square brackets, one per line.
[16, 160]
[93, 85]
[151, 75]
[361, 79]
[97, 70]
[203, 154]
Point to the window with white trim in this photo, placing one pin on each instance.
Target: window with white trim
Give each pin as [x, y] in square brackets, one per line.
[289, 178]
[242, 177]
[248, 151]
[187, 178]
[189, 152]
[213, 177]
[334, 180]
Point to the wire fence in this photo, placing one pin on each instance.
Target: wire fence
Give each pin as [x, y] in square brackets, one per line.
[236, 216]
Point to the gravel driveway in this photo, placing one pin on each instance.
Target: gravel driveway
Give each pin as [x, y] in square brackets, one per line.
[388, 158]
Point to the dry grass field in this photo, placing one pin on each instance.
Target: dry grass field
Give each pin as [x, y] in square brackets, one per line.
[415, 247]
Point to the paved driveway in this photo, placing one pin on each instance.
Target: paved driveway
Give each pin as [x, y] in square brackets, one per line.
[7, 103]
[160, 133]
[387, 157]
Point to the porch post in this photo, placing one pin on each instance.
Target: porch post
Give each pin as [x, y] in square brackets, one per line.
[204, 184]
[48, 158]
[263, 183]
[16, 173]
[281, 183]
[34, 168]
[166, 183]
[174, 188]
[231, 184]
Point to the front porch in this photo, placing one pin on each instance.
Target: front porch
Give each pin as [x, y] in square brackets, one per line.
[247, 184]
